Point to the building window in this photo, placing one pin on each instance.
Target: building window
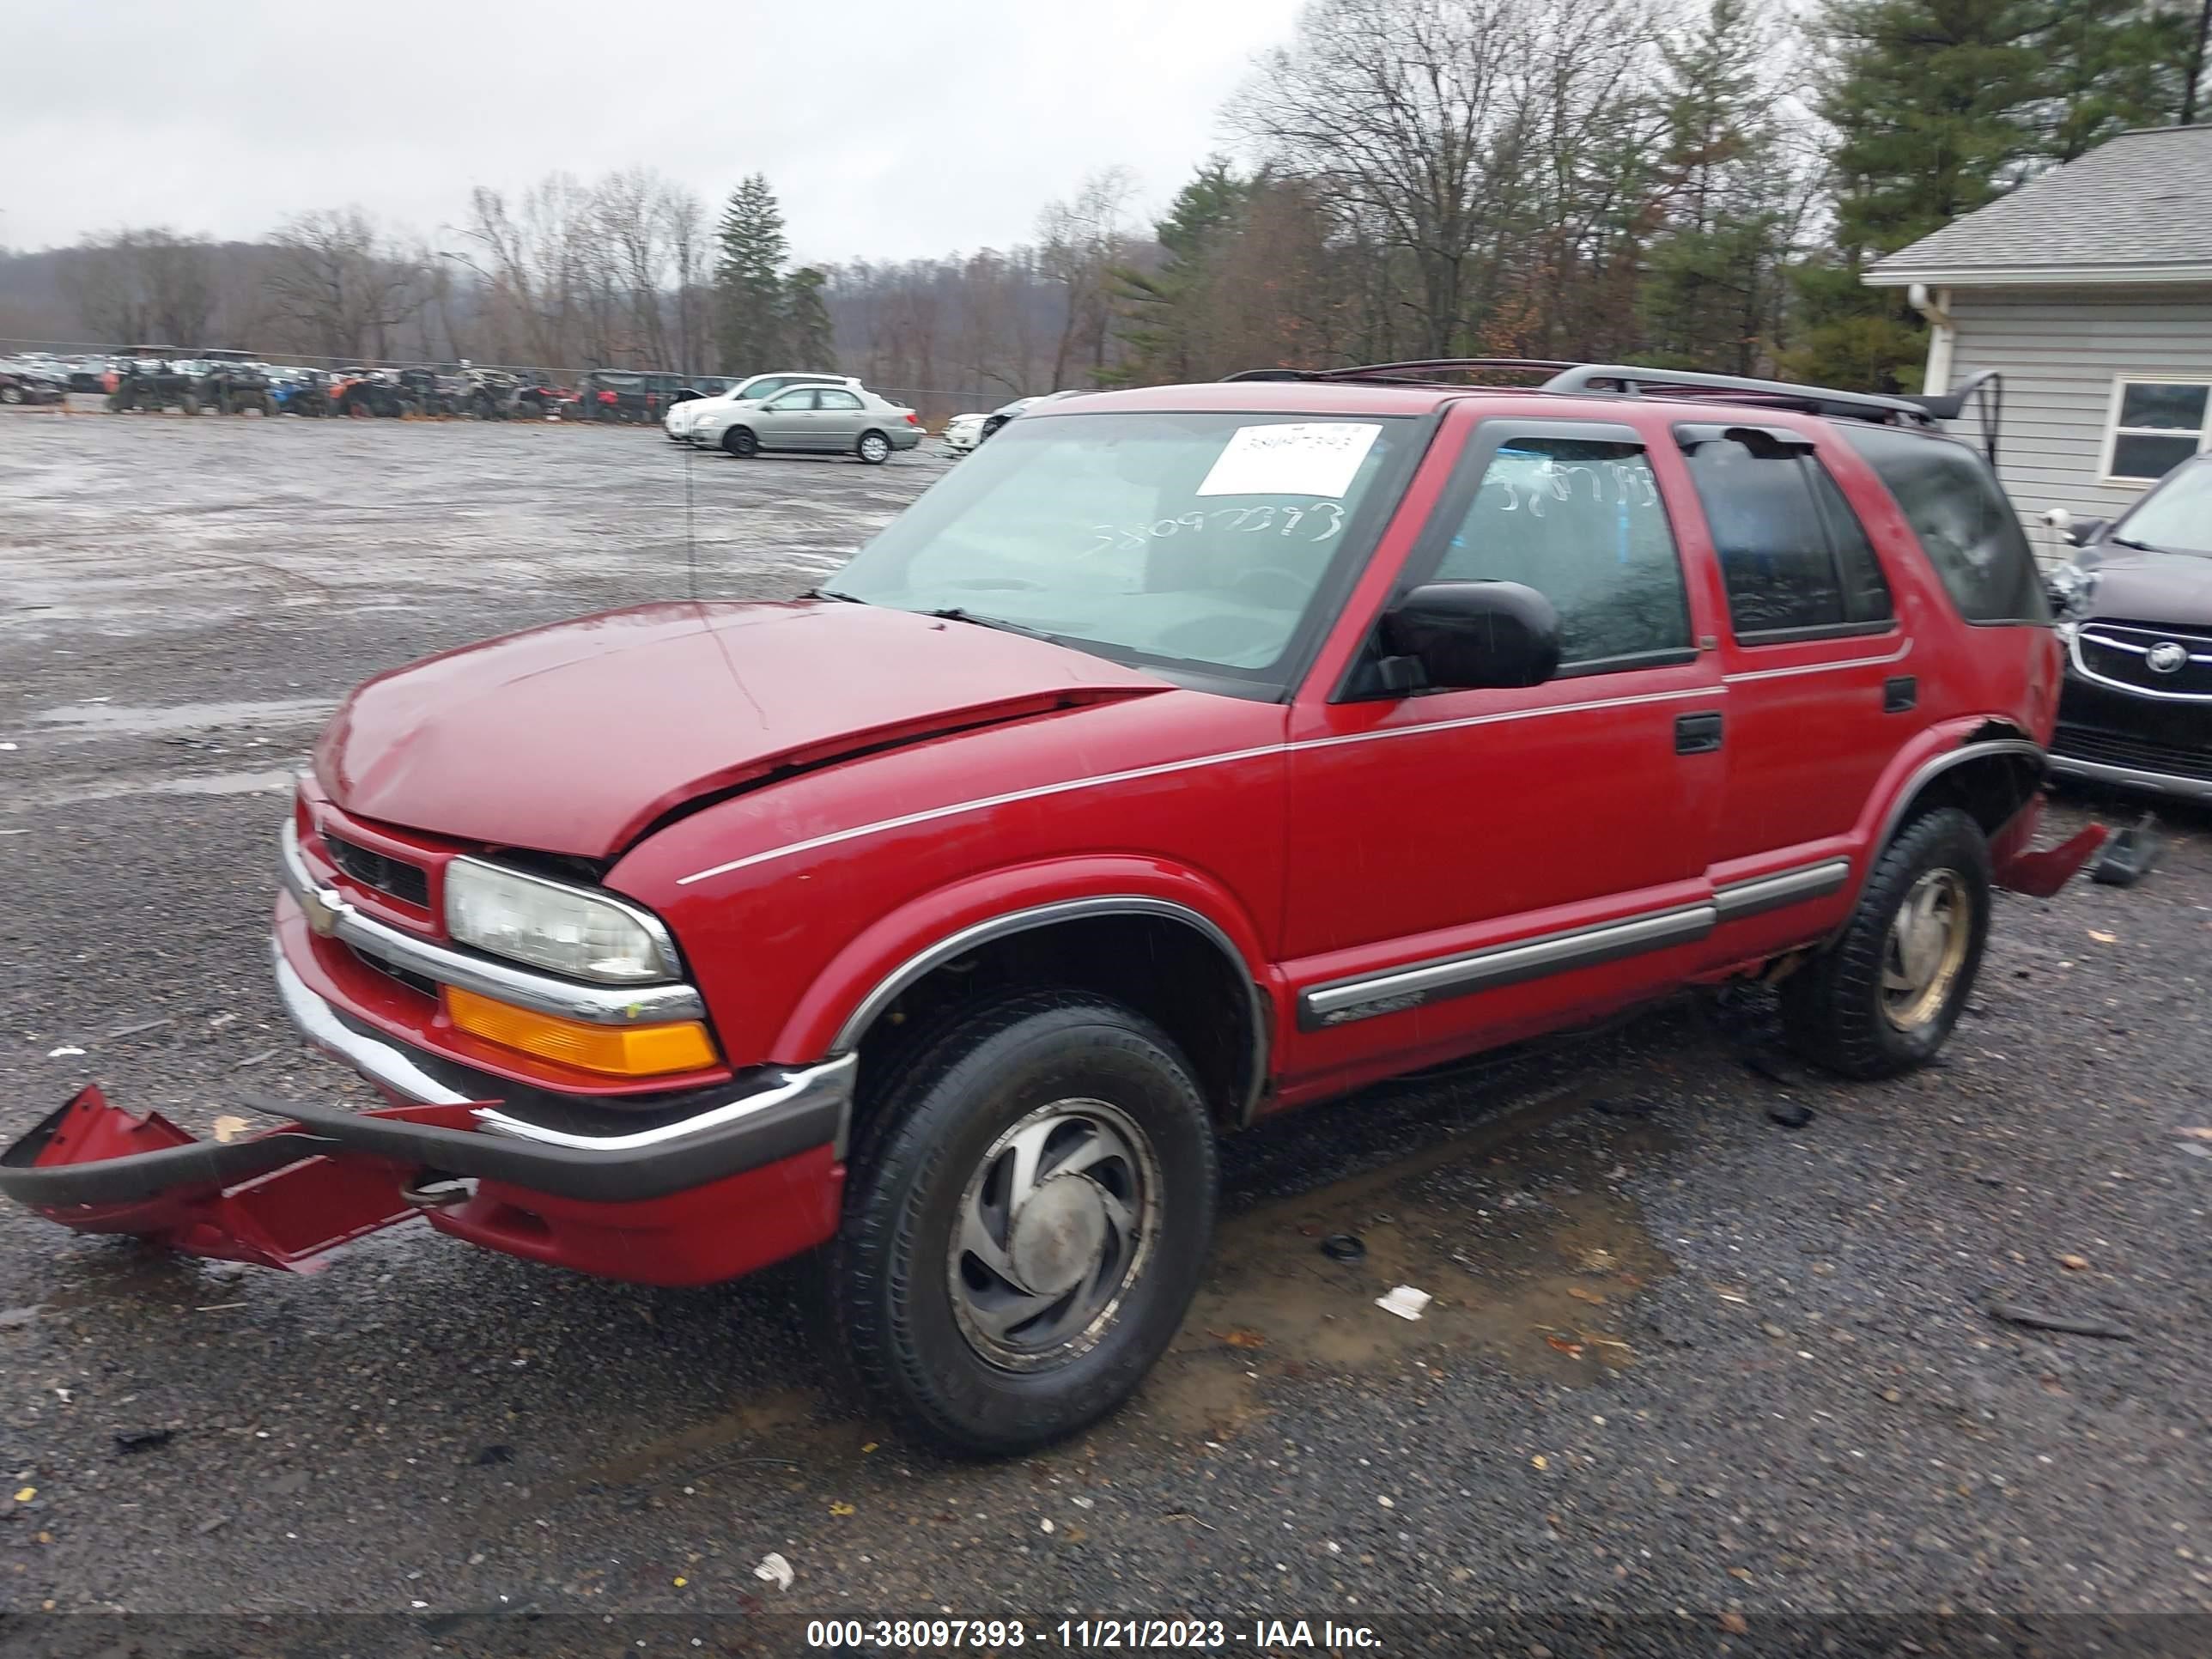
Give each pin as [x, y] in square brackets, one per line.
[2156, 425]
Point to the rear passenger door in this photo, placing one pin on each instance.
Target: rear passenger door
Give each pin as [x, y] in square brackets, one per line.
[842, 416]
[1821, 689]
[1470, 866]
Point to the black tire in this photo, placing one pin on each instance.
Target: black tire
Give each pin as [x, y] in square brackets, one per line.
[11, 394]
[873, 448]
[739, 441]
[1837, 1010]
[930, 1133]
[118, 403]
[188, 403]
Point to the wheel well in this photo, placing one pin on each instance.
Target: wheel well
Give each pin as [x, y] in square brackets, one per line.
[1165, 969]
[1989, 788]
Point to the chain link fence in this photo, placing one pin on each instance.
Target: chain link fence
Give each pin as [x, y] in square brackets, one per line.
[935, 405]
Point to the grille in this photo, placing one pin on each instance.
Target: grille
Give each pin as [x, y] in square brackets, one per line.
[406, 976]
[2137, 754]
[2120, 653]
[407, 882]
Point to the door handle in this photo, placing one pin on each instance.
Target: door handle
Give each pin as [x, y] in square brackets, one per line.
[1697, 734]
[1899, 694]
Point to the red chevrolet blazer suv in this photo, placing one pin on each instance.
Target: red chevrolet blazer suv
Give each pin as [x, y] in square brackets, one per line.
[1185, 754]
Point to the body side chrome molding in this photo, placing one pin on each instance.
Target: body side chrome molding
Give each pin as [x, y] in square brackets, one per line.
[955, 946]
[329, 913]
[1413, 985]
[1760, 893]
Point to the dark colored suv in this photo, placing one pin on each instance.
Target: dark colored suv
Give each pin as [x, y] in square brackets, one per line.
[2137, 710]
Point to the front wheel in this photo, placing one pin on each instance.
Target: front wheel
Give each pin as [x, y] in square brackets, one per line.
[1027, 1223]
[188, 403]
[740, 442]
[873, 447]
[1883, 997]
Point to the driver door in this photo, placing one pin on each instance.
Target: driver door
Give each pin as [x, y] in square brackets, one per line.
[1472, 867]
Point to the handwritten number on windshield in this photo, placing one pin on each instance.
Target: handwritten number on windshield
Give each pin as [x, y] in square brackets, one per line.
[1248, 520]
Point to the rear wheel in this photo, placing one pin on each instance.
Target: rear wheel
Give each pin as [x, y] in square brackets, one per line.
[188, 403]
[1883, 998]
[739, 441]
[1028, 1220]
[873, 447]
[11, 394]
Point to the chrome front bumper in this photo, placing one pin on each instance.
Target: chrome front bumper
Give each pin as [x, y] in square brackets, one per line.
[784, 1098]
[2130, 777]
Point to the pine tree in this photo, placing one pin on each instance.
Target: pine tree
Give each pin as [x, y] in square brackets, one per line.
[748, 279]
[1931, 103]
[1710, 291]
[2115, 64]
[1163, 313]
[806, 326]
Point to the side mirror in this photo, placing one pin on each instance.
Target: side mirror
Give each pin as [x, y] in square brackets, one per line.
[2076, 532]
[1463, 635]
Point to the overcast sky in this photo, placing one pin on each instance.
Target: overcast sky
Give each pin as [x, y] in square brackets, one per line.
[888, 128]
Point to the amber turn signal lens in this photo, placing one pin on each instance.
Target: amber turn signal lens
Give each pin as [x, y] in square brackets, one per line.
[616, 1050]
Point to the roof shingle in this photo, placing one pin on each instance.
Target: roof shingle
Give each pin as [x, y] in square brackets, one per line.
[2143, 199]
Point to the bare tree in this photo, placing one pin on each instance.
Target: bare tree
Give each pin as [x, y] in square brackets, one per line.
[344, 284]
[1081, 240]
[145, 285]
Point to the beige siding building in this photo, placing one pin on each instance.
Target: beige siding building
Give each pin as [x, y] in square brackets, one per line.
[2090, 290]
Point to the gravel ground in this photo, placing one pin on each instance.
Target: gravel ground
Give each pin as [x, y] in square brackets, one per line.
[1693, 1382]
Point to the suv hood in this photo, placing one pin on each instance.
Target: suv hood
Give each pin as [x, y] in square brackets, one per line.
[576, 738]
[2174, 588]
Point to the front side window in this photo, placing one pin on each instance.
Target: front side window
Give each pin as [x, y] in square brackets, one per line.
[1794, 557]
[2156, 425]
[1213, 542]
[1961, 517]
[791, 400]
[1581, 521]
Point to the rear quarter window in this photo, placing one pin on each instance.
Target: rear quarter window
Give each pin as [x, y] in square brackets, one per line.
[1962, 519]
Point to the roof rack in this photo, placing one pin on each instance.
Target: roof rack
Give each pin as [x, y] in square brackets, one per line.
[1985, 393]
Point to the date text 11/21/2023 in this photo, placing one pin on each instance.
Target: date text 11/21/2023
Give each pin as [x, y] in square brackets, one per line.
[953, 1635]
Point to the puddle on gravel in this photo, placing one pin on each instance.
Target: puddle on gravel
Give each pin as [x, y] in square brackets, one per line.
[195, 783]
[80, 721]
[1529, 1249]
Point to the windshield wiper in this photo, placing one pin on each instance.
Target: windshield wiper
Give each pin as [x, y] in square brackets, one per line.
[954, 613]
[831, 593]
[2128, 542]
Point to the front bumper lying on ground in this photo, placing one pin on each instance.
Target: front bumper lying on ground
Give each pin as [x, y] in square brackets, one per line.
[713, 1188]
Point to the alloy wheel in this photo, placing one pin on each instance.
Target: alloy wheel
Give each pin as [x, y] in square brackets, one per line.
[1927, 947]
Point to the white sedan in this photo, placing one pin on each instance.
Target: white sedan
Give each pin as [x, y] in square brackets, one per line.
[964, 432]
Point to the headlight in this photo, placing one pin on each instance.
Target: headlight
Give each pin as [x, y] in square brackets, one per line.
[550, 924]
[2073, 588]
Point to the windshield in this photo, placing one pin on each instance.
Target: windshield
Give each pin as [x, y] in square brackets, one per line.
[1193, 540]
[2177, 517]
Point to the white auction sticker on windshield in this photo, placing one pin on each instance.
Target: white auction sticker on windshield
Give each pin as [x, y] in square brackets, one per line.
[1293, 457]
